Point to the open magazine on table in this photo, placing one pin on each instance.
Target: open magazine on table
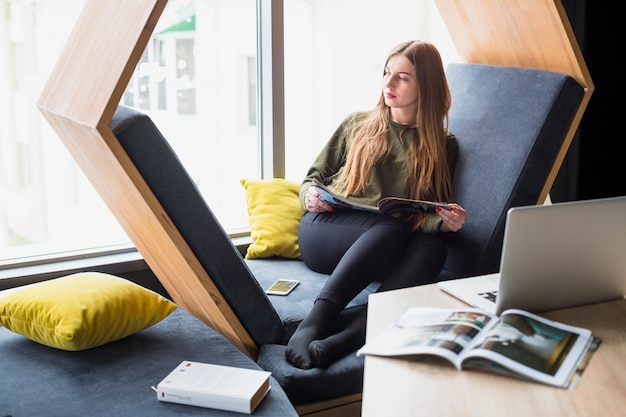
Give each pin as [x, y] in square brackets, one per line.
[387, 205]
[518, 343]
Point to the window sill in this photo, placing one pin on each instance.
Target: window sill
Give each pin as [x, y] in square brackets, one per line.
[115, 261]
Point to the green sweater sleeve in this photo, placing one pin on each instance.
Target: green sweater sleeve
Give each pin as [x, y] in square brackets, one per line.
[330, 160]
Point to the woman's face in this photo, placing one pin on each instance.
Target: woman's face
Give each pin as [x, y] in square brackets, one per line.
[400, 85]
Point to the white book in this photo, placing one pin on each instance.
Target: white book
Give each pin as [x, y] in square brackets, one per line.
[215, 386]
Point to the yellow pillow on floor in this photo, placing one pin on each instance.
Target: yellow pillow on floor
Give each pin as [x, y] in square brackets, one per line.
[82, 310]
[274, 211]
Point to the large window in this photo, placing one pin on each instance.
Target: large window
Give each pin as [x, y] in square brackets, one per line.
[198, 80]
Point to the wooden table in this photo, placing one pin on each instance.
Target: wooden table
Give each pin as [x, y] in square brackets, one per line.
[431, 388]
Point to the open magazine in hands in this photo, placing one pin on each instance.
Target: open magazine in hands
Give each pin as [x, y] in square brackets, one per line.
[517, 343]
[387, 205]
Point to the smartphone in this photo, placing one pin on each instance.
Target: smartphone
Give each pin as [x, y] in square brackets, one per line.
[282, 287]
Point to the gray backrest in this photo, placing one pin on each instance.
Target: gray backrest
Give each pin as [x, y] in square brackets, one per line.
[160, 167]
[510, 124]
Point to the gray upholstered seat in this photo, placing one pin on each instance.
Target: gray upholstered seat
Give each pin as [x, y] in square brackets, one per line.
[115, 379]
[510, 124]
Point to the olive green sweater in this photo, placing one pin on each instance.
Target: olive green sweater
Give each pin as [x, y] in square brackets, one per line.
[388, 176]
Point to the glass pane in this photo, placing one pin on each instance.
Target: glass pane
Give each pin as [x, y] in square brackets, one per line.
[334, 54]
[199, 67]
[193, 79]
[46, 203]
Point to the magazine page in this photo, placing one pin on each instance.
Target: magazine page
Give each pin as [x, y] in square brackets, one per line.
[431, 331]
[333, 199]
[388, 205]
[397, 205]
[533, 347]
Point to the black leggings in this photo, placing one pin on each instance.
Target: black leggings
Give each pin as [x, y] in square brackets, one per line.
[358, 247]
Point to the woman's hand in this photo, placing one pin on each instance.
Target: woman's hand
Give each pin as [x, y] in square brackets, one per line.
[453, 219]
[313, 202]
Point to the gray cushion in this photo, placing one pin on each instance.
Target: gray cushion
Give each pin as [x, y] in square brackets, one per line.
[344, 377]
[510, 124]
[171, 184]
[115, 379]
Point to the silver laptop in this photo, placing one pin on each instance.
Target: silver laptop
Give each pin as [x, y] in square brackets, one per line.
[554, 256]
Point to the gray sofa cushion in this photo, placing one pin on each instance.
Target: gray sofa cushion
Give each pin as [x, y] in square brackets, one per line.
[173, 187]
[510, 124]
[344, 377]
[115, 379]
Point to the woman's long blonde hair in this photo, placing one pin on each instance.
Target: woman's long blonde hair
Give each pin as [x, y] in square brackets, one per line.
[429, 177]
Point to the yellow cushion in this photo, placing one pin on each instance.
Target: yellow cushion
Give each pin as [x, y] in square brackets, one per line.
[82, 311]
[274, 211]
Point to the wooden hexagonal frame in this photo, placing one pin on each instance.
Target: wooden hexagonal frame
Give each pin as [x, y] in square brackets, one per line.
[105, 46]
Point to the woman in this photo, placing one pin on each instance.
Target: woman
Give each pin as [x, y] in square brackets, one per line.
[401, 148]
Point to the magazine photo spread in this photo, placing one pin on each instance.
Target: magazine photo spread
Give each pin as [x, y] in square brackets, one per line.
[388, 205]
[517, 343]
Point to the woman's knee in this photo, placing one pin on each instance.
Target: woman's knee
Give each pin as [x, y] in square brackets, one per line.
[325, 237]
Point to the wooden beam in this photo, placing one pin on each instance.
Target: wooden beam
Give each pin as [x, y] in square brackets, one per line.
[520, 33]
[78, 101]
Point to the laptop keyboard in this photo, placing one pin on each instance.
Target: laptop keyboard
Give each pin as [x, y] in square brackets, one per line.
[489, 295]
